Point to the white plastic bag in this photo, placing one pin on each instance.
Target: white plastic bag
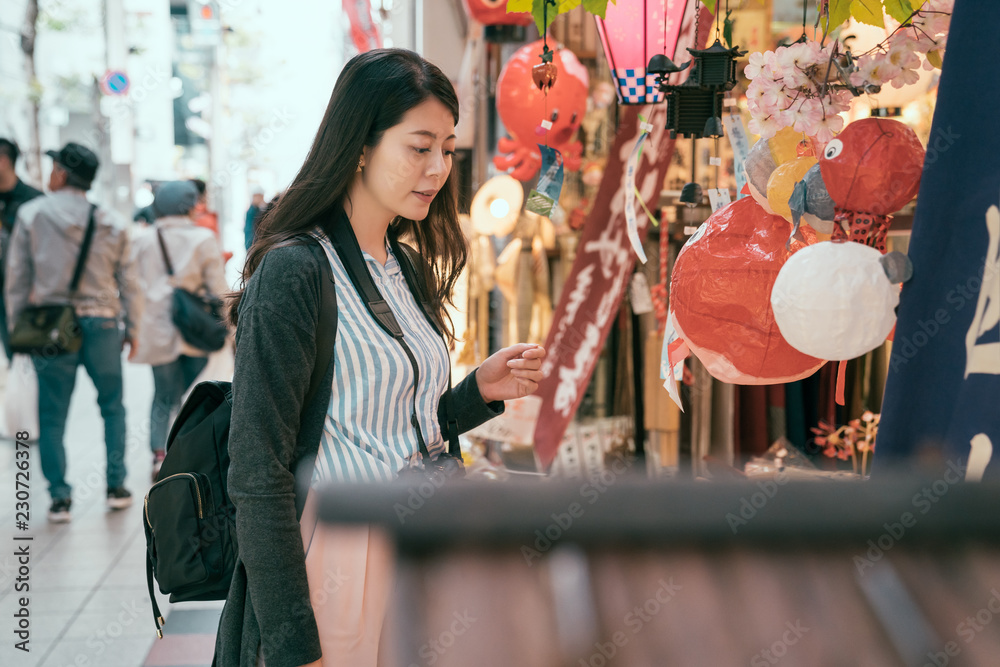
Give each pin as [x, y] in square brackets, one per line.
[21, 404]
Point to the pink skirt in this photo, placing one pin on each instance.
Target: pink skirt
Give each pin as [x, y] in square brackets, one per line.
[350, 571]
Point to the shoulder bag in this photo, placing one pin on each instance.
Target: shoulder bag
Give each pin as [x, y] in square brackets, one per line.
[54, 329]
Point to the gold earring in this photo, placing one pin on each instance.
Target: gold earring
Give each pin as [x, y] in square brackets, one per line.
[361, 164]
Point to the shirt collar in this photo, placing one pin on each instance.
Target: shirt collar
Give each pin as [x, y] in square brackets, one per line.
[391, 265]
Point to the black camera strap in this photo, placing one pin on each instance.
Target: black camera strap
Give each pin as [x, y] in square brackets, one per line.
[345, 242]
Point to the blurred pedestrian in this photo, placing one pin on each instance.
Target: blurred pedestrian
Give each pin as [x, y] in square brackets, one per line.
[144, 215]
[252, 216]
[205, 218]
[13, 193]
[44, 250]
[197, 265]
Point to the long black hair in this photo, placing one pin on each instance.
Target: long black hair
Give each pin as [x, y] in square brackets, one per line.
[372, 94]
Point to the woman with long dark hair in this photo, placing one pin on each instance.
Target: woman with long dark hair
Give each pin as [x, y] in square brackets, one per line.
[380, 168]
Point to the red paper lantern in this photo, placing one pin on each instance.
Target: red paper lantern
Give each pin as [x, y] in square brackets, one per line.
[633, 32]
[720, 294]
[494, 12]
[873, 166]
[523, 106]
[871, 170]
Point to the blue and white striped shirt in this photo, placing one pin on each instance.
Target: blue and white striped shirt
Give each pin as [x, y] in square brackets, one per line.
[367, 435]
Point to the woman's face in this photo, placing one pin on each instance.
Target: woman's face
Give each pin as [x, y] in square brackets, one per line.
[412, 162]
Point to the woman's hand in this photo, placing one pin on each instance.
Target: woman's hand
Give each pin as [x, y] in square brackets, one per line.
[511, 373]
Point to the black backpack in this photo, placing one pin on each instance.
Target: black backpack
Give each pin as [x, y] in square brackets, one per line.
[188, 517]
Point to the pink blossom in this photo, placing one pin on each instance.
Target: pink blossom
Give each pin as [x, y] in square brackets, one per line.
[903, 54]
[906, 77]
[828, 127]
[756, 66]
[765, 93]
[805, 117]
[766, 126]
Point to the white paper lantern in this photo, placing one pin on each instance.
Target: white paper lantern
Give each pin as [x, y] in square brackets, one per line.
[834, 300]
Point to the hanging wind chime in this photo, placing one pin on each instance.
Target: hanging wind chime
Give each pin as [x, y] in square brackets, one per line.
[694, 108]
[544, 197]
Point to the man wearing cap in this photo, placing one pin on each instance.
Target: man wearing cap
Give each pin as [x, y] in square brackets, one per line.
[13, 193]
[44, 250]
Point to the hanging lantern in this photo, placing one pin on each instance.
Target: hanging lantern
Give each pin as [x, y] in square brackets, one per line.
[720, 296]
[871, 170]
[715, 67]
[837, 300]
[634, 32]
[694, 108]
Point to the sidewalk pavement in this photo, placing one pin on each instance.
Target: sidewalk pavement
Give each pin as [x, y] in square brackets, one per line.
[88, 601]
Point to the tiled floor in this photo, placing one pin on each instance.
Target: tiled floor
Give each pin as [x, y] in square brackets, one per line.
[89, 605]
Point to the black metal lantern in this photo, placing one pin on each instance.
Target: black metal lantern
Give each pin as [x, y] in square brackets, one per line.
[694, 108]
[690, 108]
[715, 67]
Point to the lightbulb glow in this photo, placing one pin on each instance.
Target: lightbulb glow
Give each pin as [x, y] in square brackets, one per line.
[499, 208]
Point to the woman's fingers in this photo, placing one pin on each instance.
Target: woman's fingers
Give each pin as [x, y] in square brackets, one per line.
[525, 364]
[528, 386]
[533, 375]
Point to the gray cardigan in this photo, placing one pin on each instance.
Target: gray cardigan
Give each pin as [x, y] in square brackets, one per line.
[272, 432]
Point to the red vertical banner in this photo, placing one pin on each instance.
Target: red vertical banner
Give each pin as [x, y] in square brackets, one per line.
[364, 32]
[602, 269]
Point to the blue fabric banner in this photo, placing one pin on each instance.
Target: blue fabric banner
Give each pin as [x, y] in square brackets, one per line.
[942, 398]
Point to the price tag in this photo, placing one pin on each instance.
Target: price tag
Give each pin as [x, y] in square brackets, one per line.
[547, 124]
[718, 198]
[715, 161]
[642, 300]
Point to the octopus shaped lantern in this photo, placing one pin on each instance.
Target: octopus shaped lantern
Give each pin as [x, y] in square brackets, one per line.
[537, 86]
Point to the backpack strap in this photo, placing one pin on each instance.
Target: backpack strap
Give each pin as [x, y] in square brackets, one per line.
[415, 270]
[345, 243]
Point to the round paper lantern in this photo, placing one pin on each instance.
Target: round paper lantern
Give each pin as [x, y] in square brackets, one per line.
[782, 181]
[834, 300]
[523, 107]
[720, 296]
[784, 145]
[494, 12]
[873, 166]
